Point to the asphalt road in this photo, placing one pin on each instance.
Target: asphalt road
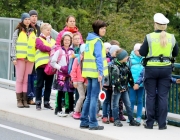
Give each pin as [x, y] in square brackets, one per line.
[14, 131]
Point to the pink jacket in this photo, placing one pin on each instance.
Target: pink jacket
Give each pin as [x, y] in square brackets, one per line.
[59, 37]
[76, 75]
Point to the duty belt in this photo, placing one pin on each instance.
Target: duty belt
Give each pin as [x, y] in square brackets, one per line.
[157, 59]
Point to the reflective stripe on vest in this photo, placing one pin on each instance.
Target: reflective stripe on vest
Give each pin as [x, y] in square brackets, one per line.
[22, 46]
[89, 63]
[155, 49]
[42, 58]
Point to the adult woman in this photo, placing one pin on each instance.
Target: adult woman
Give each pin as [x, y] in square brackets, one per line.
[158, 48]
[63, 78]
[70, 27]
[94, 68]
[44, 45]
[23, 56]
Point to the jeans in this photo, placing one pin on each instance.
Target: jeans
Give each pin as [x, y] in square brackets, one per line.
[136, 94]
[107, 111]
[89, 110]
[115, 104]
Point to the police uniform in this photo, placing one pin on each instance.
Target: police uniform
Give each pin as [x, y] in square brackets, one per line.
[158, 71]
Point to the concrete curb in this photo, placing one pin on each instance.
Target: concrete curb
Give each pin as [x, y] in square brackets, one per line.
[66, 131]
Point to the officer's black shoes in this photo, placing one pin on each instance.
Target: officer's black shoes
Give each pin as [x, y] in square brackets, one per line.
[97, 128]
[147, 127]
[84, 127]
[134, 123]
[163, 128]
[118, 123]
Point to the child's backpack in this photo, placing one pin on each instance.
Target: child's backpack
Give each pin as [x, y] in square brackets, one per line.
[49, 70]
[71, 61]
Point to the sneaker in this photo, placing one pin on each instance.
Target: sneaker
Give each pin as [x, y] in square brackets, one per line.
[105, 120]
[155, 123]
[122, 118]
[47, 106]
[62, 114]
[76, 115]
[98, 116]
[97, 128]
[71, 113]
[111, 119]
[138, 120]
[134, 123]
[118, 123]
[38, 106]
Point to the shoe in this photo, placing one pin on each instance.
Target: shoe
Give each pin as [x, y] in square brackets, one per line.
[128, 121]
[96, 128]
[145, 126]
[134, 123]
[111, 119]
[47, 106]
[56, 111]
[105, 120]
[84, 127]
[31, 102]
[19, 100]
[76, 115]
[144, 122]
[138, 119]
[71, 113]
[155, 123]
[163, 128]
[122, 118]
[99, 115]
[118, 123]
[62, 114]
[38, 106]
[25, 100]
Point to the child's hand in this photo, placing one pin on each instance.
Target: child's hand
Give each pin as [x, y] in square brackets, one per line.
[178, 81]
[75, 85]
[136, 87]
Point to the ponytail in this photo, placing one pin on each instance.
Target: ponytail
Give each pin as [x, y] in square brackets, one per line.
[163, 37]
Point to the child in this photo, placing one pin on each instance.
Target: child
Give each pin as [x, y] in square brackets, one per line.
[136, 67]
[79, 82]
[121, 76]
[63, 78]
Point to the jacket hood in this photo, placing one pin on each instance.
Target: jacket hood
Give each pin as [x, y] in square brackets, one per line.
[133, 55]
[92, 36]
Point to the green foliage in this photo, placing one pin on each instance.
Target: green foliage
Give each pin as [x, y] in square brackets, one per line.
[129, 20]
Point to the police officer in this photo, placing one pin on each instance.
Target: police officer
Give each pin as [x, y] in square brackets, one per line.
[158, 48]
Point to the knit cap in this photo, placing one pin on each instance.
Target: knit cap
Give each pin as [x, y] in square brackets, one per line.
[24, 15]
[107, 45]
[120, 56]
[137, 46]
[67, 33]
[114, 48]
[33, 12]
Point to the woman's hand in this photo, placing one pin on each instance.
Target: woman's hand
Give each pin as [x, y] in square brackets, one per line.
[14, 62]
[75, 85]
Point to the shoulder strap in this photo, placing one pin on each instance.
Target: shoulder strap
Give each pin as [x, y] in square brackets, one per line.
[60, 54]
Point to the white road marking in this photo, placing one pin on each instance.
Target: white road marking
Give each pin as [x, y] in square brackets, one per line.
[25, 132]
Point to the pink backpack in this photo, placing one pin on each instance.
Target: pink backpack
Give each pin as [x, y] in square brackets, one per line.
[49, 70]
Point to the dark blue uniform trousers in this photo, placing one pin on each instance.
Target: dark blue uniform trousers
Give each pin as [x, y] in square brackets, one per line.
[157, 80]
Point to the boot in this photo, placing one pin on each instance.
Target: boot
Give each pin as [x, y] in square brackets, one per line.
[19, 100]
[25, 100]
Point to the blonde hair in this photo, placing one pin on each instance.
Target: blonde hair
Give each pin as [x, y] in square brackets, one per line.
[114, 42]
[163, 37]
[45, 26]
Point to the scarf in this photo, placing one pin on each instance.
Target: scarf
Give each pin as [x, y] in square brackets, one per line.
[71, 29]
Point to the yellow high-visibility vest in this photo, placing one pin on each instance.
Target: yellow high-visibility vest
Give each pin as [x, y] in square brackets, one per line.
[25, 46]
[155, 49]
[89, 63]
[42, 58]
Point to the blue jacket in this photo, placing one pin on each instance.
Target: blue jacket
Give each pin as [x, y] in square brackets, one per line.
[141, 78]
[135, 66]
[97, 51]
